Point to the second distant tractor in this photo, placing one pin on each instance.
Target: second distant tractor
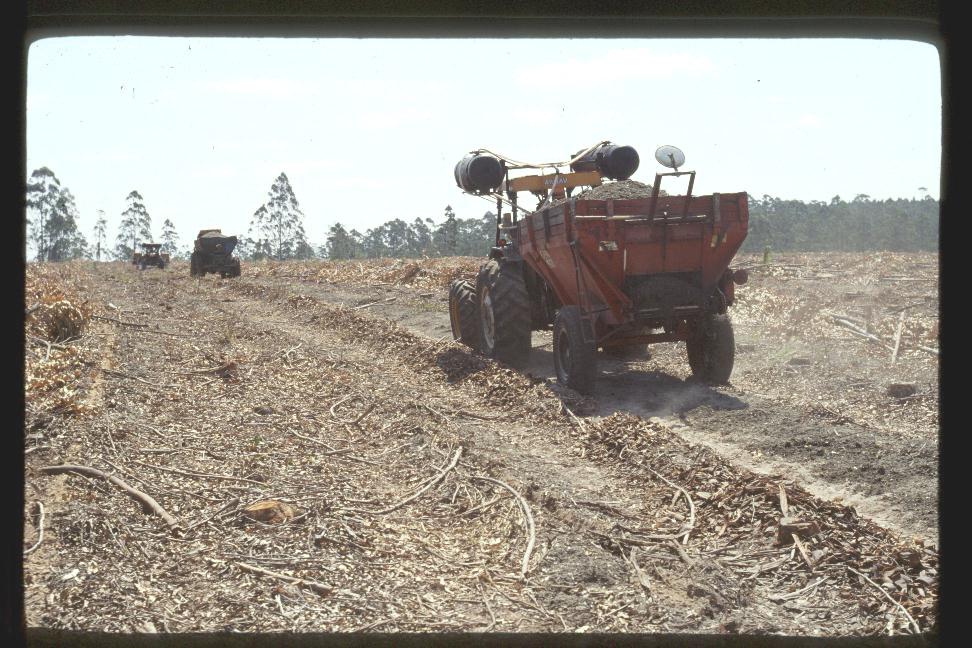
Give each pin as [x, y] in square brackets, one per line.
[213, 252]
[151, 255]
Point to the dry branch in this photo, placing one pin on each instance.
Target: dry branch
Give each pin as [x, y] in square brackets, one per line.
[687, 528]
[681, 553]
[320, 588]
[142, 327]
[385, 301]
[643, 579]
[480, 506]
[340, 453]
[803, 552]
[853, 328]
[792, 595]
[149, 505]
[469, 414]
[118, 321]
[531, 530]
[186, 473]
[363, 414]
[914, 624]
[432, 482]
[40, 529]
[897, 336]
[122, 374]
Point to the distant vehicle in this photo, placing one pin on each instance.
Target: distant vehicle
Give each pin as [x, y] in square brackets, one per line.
[213, 252]
[151, 255]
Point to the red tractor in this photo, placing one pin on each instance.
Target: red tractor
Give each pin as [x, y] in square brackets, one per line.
[151, 255]
[605, 273]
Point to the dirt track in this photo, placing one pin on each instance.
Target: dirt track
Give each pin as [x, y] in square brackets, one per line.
[778, 416]
[353, 414]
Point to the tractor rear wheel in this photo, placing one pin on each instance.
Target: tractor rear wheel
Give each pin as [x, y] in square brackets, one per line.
[711, 348]
[575, 358]
[462, 312]
[503, 305]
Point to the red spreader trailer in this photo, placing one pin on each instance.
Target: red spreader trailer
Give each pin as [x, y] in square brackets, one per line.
[606, 273]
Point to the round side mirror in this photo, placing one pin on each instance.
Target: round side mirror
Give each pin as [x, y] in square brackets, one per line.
[670, 156]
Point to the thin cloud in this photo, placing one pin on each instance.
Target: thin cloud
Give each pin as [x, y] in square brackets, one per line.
[534, 116]
[264, 87]
[378, 119]
[809, 121]
[617, 65]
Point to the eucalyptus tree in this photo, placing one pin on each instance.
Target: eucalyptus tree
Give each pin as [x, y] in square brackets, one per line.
[170, 238]
[277, 226]
[100, 233]
[52, 218]
[135, 226]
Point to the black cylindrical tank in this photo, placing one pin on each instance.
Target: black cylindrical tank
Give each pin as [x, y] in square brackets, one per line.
[614, 161]
[478, 172]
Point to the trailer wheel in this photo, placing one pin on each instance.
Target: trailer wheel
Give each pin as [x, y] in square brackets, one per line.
[236, 271]
[503, 304]
[711, 348]
[575, 359]
[193, 265]
[462, 312]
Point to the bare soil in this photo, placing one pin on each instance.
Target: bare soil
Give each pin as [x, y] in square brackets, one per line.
[421, 487]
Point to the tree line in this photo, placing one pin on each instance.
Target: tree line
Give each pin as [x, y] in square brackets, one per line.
[863, 224]
[276, 229]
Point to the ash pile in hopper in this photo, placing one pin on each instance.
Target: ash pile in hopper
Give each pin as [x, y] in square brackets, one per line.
[620, 190]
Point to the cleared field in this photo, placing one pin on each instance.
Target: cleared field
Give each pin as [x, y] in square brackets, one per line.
[327, 459]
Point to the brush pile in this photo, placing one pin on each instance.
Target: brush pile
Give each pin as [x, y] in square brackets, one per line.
[57, 368]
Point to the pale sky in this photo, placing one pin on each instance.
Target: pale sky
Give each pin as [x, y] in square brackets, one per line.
[369, 130]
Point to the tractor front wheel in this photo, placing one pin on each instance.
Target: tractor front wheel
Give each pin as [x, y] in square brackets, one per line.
[462, 312]
[711, 348]
[503, 304]
[574, 350]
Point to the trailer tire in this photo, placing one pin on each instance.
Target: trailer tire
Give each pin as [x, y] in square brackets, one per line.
[575, 359]
[193, 265]
[236, 271]
[462, 312]
[711, 348]
[503, 309]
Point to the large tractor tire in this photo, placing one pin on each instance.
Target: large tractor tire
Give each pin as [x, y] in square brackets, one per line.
[462, 313]
[233, 271]
[575, 358]
[503, 306]
[711, 348]
[193, 265]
